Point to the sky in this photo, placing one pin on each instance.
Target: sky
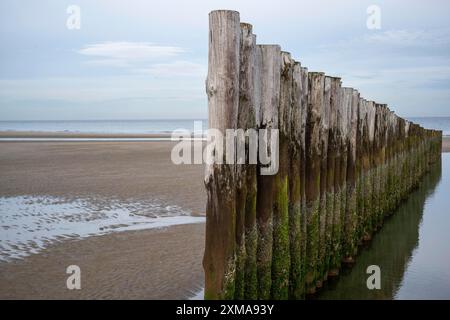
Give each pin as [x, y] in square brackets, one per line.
[144, 59]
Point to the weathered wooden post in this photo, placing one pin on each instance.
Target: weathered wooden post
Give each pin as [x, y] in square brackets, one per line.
[377, 163]
[270, 99]
[360, 169]
[295, 185]
[351, 99]
[223, 100]
[397, 184]
[281, 253]
[408, 156]
[333, 145]
[401, 161]
[392, 139]
[339, 142]
[303, 156]
[316, 81]
[384, 162]
[388, 152]
[251, 228]
[369, 168]
[246, 232]
[324, 135]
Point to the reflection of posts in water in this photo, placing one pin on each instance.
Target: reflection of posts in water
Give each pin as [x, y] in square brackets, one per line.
[344, 164]
[391, 249]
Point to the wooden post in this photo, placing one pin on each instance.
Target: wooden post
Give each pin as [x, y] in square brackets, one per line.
[401, 161]
[303, 156]
[377, 164]
[316, 83]
[281, 254]
[351, 98]
[223, 101]
[336, 151]
[324, 135]
[384, 164]
[296, 290]
[391, 163]
[246, 233]
[270, 97]
[251, 228]
[360, 169]
[369, 168]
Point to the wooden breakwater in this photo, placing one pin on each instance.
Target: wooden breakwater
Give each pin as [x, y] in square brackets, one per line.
[345, 163]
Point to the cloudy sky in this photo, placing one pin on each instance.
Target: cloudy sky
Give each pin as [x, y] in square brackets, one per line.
[144, 59]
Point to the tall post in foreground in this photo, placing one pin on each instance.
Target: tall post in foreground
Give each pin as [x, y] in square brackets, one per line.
[223, 101]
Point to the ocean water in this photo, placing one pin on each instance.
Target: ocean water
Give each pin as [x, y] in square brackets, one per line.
[438, 123]
[103, 126]
[155, 126]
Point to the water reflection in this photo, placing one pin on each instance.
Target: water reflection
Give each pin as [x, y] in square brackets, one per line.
[396, 248]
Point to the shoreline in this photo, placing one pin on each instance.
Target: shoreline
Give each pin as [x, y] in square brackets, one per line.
[42, 136]
[49, 134]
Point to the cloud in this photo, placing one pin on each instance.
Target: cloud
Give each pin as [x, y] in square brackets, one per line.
[130, 50]
[142, 58]
[127, 54]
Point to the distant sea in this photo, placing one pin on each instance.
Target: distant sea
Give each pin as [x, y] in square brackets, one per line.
[437, 123]
[103, 126]
[156, 126]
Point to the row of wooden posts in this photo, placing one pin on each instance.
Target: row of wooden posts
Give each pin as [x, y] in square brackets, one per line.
[345, 163]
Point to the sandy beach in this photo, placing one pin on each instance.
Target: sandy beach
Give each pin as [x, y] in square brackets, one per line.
[119, 170]
[147, 264]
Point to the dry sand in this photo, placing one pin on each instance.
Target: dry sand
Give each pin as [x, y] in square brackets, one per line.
[148, 264]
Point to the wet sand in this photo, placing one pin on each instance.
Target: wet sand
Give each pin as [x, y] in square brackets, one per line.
[117, 170]
[148, 264]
